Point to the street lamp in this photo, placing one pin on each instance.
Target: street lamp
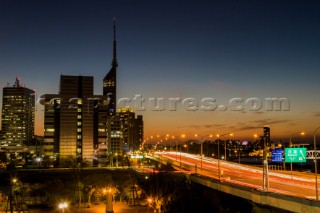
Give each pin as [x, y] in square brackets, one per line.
[225, 144]
[150, 201]
[290, 145]
[13, 182]
[315, 161]
[265, 175]
[172, 137]
[38, 160]
[219, 175]
[109, 204]
[231, 134]
[182, 136]
[201, 148]
[238, 152]
[168, 138]
[63, 206]
[265, 163]
[180, 158]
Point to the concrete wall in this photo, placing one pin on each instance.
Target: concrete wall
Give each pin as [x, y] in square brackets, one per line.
[284, 202]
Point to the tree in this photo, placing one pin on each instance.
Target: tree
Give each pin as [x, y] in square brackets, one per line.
[90, 189]
[76, 166]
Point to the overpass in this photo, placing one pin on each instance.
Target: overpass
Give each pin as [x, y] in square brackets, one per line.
[288, 191]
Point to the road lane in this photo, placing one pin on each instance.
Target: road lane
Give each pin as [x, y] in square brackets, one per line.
[297, 184]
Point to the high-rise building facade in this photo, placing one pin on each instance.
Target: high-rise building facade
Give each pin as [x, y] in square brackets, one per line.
[125, 131]
[85, 126]
[69, 123]
[138, 132]
[101, 112]
[18, 107]
[110, 80]
[266, 135]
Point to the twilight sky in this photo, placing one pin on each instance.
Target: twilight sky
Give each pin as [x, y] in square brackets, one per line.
[175, 49]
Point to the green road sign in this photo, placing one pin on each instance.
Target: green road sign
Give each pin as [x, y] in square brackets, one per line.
[295, 155]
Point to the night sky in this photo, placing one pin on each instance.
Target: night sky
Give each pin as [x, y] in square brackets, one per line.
[180, 49]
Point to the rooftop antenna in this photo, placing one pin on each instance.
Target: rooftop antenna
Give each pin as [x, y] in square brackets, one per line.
[114, 60]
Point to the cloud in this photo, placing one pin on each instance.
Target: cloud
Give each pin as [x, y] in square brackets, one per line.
[269, 121]
[316, 114]
[257, 124]
[248, 128]
[206, 126]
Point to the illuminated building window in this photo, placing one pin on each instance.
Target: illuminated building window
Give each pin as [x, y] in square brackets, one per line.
[79, 101]
[79, 109]
[49, 130]
[78, 136]
[79, 116]
[79, 123]
[79, 130]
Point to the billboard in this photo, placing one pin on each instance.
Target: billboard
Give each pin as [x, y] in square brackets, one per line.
[277, 155]
[295, 155]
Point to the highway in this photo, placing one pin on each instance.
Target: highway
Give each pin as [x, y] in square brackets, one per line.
[282, 182]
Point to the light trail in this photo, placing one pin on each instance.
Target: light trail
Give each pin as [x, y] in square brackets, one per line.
[298, 184]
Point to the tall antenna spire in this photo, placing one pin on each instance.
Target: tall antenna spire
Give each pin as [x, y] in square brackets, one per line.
[114, 60]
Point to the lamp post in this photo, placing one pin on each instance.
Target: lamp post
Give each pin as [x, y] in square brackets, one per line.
[109, 204]
[225, 144]
[38, 161]
[168, 138]
[13, 182]
[180, 155]
[176, 149]
[219, 173]
[315, 162]
[239, 153]
[149, 202]
[63, 206]
[290, 145]
[180, 158]
[231, 134]
[265, 175]
[201, 148]
[182, 136]
[265, 167]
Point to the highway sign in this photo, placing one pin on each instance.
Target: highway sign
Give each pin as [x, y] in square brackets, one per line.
[277, 155]
[295, 155]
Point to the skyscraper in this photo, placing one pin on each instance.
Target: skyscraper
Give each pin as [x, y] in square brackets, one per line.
[132, 128]
[18, 106]
[106, 107]
[85, 126]
[69, 123]
[110, 80]
[125, 131]
[266, 135]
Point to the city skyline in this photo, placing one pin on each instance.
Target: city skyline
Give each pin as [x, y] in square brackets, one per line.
[220, 50]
